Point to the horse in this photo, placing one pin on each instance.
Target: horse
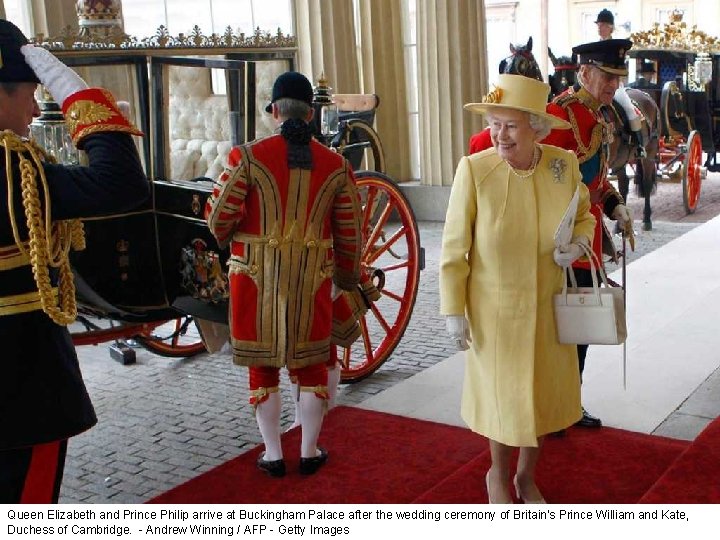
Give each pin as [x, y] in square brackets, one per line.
[564, 73]
[521, 61]
[623, 149]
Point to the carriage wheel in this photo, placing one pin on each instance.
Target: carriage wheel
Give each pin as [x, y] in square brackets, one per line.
[177, 338]
[391, 254]
[375, 161]
[692, 172]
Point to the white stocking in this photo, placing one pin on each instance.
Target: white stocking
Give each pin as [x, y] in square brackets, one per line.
[296, 403]
[312, 411]
[332, 386]
[268, 419]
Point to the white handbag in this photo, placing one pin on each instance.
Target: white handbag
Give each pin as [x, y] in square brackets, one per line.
[590, 315]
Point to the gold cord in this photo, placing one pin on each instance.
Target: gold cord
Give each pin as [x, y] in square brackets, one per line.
[49, 241]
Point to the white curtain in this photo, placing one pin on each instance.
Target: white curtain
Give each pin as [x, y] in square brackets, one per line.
[452, 71]
[326, 43]
[383, 73]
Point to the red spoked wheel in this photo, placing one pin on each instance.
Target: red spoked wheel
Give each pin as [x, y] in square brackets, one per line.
[178, 338]
[692, 172]
[392, 256]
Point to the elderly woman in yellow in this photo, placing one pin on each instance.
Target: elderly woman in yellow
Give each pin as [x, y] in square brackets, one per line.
[499, 269]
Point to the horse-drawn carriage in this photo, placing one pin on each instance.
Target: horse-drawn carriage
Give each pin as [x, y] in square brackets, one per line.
[687, 90]
[149, 274]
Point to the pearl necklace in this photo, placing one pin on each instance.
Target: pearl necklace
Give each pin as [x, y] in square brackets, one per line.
[529, 172]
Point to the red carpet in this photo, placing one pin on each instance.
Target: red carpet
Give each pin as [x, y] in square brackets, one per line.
[381, 458]
[694, 478]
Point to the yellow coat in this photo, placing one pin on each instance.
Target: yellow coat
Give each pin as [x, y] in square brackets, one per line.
[497, 267]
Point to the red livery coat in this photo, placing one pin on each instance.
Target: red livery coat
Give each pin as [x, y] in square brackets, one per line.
[291, 233]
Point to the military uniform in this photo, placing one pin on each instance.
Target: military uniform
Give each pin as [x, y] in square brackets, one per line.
[43, 400]
[589, 138]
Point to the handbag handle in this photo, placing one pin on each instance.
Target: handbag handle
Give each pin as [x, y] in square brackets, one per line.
[594, 271]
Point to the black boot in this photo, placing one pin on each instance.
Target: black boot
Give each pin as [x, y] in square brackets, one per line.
[588, 420]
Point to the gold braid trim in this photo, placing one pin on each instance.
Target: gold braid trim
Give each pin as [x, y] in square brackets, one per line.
[49, 242]
[586, 152]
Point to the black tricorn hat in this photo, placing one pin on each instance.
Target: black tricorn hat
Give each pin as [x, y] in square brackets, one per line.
[605, 16]
[13, 67]
[291, 84]
[607, 54]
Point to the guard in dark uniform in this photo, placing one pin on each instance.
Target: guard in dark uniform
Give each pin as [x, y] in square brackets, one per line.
[43, 400]
[583, 105]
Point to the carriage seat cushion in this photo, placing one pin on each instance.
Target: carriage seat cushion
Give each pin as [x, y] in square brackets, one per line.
[199, 135]
[356, 102]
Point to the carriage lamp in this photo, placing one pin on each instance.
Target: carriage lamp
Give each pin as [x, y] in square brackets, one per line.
[703, 68]
[50, 131]
[326, 111]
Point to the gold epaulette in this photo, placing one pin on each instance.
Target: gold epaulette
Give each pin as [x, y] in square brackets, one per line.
[94, 110]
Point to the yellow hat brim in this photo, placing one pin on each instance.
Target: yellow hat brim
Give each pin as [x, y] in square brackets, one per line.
[485, 108]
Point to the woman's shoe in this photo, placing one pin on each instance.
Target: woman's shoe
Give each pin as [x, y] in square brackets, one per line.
[523, 499]
[487, 487]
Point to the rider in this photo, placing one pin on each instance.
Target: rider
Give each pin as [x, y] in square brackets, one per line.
[602, 63]
[605, 26]
[43, 400]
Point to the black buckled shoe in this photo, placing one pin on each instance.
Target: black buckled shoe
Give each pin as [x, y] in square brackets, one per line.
[588, 420]
[311, 465]
[276, 468]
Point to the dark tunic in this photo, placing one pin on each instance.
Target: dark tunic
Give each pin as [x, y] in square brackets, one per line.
[42, 394]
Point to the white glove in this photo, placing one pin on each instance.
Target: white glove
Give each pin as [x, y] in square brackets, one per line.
[622, 214]
[566, 255]
[335, 292]
[60, 80]
[457, 327]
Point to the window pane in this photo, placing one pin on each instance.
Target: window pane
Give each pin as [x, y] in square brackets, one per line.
[237, 14]
[185, 14]
[143, 17]
[17, 12]
[411, 75]
[415, 146]
[273, 14]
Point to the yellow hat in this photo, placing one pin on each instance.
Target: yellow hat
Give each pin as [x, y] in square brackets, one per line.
[520, 93]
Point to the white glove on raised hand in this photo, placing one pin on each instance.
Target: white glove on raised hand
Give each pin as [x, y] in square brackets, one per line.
[457, 327]
[60, 80]
[566, 255]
